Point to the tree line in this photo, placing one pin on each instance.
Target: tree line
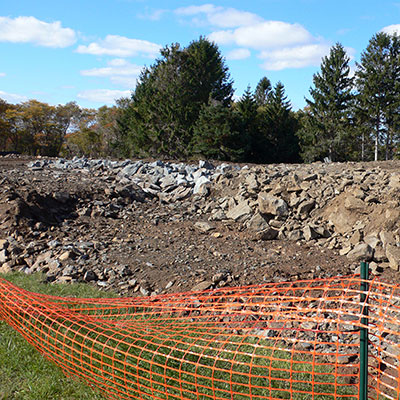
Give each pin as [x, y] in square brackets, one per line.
[37, 128]
[183, 107]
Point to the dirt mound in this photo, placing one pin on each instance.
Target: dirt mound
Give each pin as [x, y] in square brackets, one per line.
[131, 227]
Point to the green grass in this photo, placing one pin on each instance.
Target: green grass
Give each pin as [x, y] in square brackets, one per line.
[24, 373]
[193, 364]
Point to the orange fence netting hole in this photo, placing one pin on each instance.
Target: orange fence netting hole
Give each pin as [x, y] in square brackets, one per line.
[293, 340]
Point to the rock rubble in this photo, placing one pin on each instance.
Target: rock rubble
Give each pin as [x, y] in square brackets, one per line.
[154, 227]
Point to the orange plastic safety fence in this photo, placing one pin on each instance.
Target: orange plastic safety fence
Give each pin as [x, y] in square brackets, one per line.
[293, 340]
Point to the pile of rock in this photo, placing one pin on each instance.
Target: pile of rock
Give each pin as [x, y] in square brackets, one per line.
[168, 181]
[352, 208]
[347, 207]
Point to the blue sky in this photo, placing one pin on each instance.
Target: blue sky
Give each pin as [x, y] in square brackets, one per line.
[91, 51]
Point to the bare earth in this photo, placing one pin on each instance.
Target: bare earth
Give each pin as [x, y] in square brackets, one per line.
[141, 248]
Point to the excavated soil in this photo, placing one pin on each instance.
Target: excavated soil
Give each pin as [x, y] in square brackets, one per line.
[148, 247]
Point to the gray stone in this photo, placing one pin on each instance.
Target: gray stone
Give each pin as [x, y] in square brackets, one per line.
[257, 223]
[169, 284]
[252, 183]
[241, 212]
[322, 231]
[267, 234]
[3, 256]
[144, 291]
[387, 238]
[205, 164]
[306, 206]
[380, 254]
[272, 205]
[356, 238]
[373, 241]
[393, 255]
[217, 215]
[167, 181]
[53, 267]
[345, 250]
[352, 203]
[296, 235]
[394, 181]
[203, 226]
[5, 268]
[361, 252]
[310, 233]
[64, 279]
[132, 282]
[129, 170]
[202, 286]
[201, 181]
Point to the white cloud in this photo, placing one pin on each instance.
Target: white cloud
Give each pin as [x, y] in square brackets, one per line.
[223, 37]
[230, 17]
[32, 30]
[280, 44]
[11, 97]
[219, 16]
[119, 71]
[104, 96]
[294, 57]
[126, 69]
[238, 54]
[120, 46]
[267, 34]
[2, 74]
[117, 62]
[194, 10]
[391, 29]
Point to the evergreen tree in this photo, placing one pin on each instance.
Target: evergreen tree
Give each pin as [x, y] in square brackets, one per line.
[282, 126]
[217, 134]
[326, 122]
[246, 109]
[262, 92]
[378, 85]
[169, 96]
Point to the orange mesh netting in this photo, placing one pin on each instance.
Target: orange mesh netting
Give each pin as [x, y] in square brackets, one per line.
[295, 340]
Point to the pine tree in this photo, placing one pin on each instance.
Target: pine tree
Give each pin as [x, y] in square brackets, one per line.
[378, 85]
[262, 92]
[217, 134]
[328, 115]
[282, 126]
[246, 110]
[169, 96]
